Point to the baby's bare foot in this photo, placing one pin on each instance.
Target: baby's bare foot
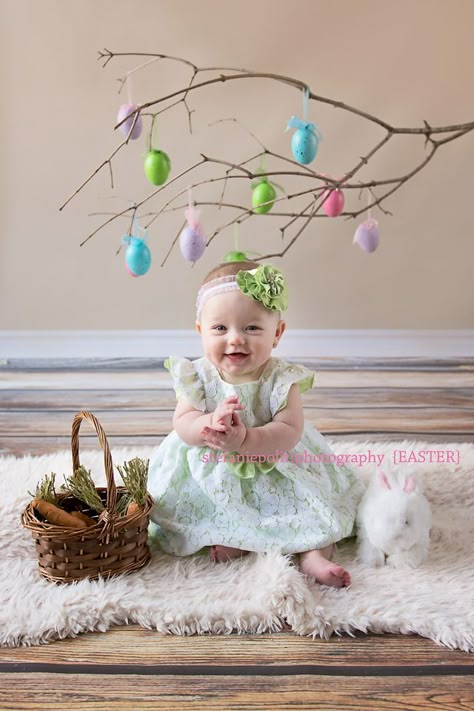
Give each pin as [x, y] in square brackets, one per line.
[326, 572]
[220, 554]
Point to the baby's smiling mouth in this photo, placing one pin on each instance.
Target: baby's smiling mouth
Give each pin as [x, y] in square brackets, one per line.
[236, 356]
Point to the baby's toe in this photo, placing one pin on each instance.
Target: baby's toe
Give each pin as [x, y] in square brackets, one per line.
[341, 577]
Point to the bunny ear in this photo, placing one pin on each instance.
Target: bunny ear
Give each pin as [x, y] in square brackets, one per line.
[410, 484]
[383, 479]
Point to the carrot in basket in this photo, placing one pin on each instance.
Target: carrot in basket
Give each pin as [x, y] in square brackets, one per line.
[135, 475]
[133, 508]
[53, 514]
[84, 517]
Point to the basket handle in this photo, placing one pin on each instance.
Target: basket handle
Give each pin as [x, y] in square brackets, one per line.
[109, 468]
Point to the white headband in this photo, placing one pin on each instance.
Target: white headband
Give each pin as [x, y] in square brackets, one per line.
[213, 287]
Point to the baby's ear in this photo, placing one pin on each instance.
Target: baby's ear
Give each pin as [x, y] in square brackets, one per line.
[280, 329]
[198, 327]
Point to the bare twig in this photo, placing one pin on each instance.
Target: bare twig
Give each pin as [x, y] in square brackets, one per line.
[173, 243]
[434, 137]
[142, 202]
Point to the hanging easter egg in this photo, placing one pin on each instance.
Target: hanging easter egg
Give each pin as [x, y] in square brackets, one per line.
[192, 243]
[304, 141]
[137, 255]
[124, 111]
[333, 203]
[130, 271]
[192, 240]
[304, 145]
[157, 167]
[367, 235]
[235, 256]
[263, 192]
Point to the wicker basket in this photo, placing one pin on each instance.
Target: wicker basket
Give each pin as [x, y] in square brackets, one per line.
[114, 545]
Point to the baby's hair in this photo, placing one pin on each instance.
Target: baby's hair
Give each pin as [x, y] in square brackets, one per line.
[227, 268]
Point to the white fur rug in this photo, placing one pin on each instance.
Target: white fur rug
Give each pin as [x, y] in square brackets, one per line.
[259, 592]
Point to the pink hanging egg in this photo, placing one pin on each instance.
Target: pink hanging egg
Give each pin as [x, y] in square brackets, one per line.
[130, 271]
[123, 112]
[192, 243]
[367, 235]
[334, 204]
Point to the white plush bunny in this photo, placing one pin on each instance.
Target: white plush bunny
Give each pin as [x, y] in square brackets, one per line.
[393, 521]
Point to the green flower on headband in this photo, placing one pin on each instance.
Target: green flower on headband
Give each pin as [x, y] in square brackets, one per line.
[265, 284]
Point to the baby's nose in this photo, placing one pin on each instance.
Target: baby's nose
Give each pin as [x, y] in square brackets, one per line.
[236, 336]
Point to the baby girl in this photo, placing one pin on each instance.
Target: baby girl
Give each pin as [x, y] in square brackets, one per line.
[241, 470]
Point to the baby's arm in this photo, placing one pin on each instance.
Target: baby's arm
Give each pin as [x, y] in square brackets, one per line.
[282, 433]
[188, 422]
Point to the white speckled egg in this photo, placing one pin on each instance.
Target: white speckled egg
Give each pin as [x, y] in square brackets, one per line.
[192, 243]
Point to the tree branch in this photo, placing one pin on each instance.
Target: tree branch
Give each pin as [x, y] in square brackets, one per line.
[434, 136]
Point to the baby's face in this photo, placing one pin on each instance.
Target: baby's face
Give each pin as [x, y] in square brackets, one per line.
[238, 335]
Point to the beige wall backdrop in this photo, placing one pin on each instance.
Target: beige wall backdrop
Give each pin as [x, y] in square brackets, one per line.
[402, 60]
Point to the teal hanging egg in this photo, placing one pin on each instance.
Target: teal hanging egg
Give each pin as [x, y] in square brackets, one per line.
[304, 145]
[137, 255]
[305, 140]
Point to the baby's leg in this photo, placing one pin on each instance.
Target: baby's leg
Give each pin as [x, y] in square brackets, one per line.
[317, 564]
[220, 554]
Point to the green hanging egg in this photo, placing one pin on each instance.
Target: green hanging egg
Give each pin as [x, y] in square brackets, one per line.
[235, 256]
[157, 167]
[262, 193]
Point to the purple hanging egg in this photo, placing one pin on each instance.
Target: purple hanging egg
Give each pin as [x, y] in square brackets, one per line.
[367, 235]
[123, 112]
[192, 243]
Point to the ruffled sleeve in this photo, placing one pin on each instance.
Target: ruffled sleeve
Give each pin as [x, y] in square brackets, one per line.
[287, 375]
[186, 381]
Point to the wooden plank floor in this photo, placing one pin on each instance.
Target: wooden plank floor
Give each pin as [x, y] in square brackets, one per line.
[379, 400]
[132, 668]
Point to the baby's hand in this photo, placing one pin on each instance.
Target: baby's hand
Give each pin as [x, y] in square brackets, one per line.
[221, 419]
[228, 441]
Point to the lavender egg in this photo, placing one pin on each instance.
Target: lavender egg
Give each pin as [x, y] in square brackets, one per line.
[367, 235]
[192, 243]
[123, 112]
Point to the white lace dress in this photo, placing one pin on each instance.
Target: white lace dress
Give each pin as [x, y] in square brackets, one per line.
[204, 497]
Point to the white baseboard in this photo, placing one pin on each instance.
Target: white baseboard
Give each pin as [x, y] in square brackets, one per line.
[372, 343]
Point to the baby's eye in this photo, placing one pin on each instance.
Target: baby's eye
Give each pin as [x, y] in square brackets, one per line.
[253, 328]
[219, 327]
